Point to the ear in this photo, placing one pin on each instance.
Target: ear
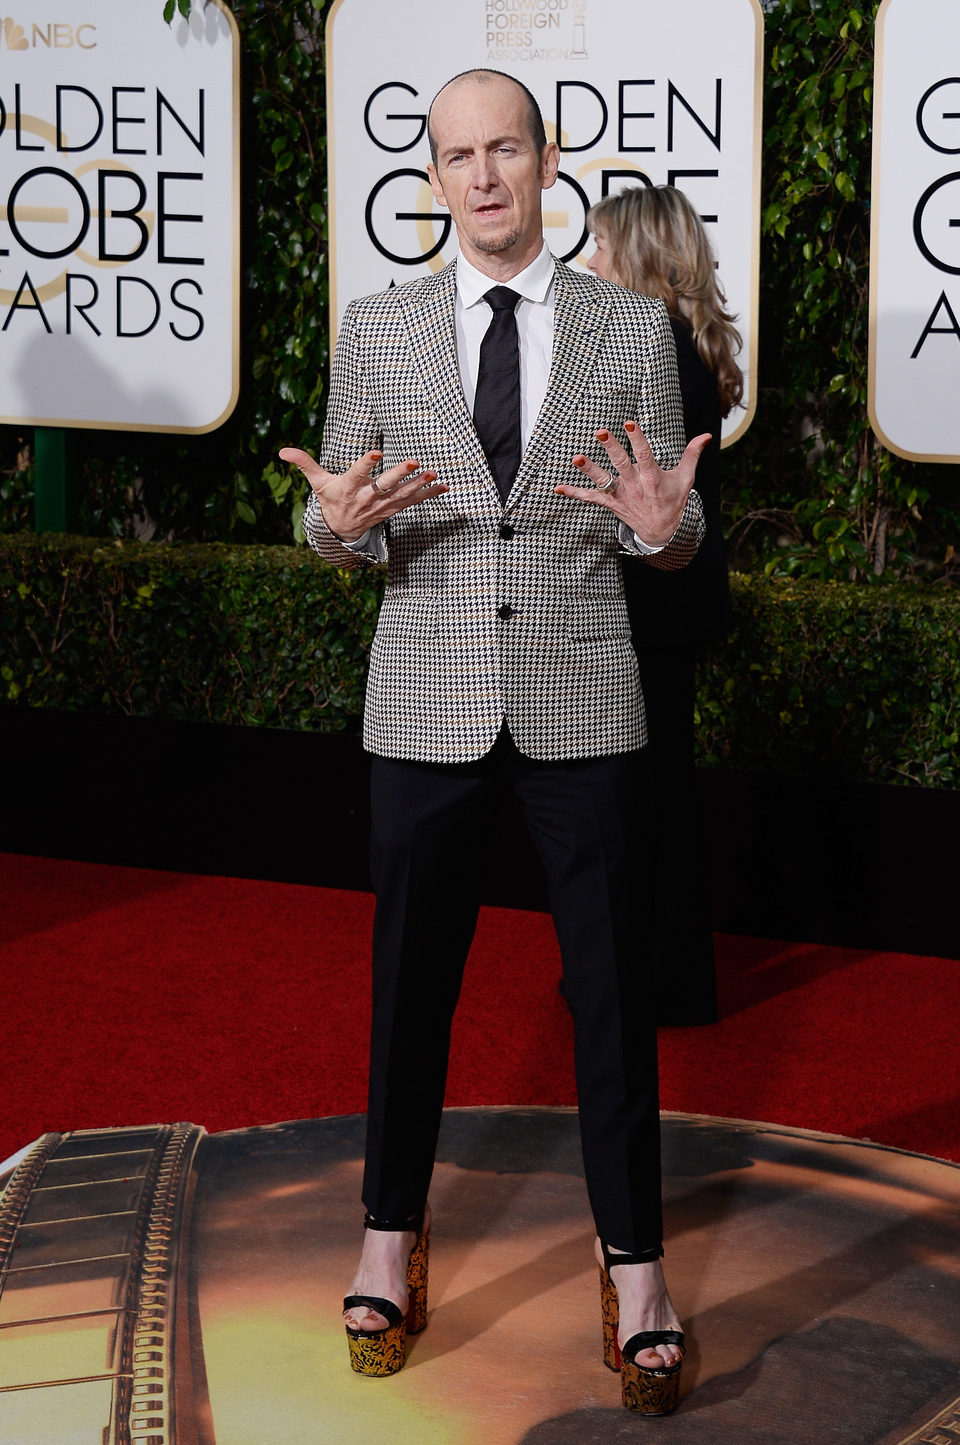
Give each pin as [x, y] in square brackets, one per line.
[435, 185]
[550, 165]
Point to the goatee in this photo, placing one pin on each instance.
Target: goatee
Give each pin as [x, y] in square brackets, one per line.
[493, 245]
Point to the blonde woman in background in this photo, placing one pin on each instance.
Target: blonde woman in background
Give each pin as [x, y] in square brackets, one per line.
[651, 240]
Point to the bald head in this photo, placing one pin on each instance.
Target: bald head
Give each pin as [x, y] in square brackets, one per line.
[538, 135]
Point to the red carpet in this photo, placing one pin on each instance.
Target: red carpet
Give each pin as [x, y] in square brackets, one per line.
[135, 996]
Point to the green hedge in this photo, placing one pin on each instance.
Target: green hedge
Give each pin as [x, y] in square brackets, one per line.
[837, 679]
[816, 677]
[253, 635]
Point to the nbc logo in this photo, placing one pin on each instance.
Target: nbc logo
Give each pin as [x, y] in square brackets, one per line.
[55, 35]
[13, 36]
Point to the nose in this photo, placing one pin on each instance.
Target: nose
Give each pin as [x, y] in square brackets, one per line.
[484, 173]
[591, 262]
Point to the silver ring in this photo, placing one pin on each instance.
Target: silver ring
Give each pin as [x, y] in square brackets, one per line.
[609, 486]
[381, 491]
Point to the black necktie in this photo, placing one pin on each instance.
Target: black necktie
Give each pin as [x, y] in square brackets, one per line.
[496, 410]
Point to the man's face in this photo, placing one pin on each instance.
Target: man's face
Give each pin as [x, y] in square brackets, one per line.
[489, 173]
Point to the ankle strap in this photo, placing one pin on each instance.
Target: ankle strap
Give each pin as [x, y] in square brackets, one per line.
[410, 1221]
[643, 1256]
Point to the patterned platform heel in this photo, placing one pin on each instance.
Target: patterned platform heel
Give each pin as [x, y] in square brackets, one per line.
[643, 1389]
[383, 1352]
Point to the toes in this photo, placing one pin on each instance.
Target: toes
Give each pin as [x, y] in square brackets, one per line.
[656, 1359]
[369, 1320]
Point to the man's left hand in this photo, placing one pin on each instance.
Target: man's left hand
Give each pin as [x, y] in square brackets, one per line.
[648, 499]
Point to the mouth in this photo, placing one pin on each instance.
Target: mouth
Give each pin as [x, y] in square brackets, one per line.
[490, 211]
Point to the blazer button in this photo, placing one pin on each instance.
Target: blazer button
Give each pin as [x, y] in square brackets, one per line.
[505, 613]
[507, 532]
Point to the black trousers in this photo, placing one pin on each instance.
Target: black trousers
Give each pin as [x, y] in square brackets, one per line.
[679, 944]
[430, 829]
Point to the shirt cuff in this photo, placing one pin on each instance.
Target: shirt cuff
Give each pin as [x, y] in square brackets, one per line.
[360, 544]
[629, 540]
[371, 544]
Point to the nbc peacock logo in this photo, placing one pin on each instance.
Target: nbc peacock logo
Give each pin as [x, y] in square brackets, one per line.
[50, 35]
[12, 36]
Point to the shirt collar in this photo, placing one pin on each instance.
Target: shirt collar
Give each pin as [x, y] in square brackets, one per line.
[532, 283]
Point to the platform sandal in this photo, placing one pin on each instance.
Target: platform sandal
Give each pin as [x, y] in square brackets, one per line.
[383, 1352]
[645, 1389]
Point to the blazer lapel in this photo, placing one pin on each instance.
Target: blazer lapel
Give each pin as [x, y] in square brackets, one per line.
[580, 321]
[433, 343]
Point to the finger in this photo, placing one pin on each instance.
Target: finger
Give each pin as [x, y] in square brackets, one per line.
[695, 449]
[638, 443]
[590, 469]
[315, 474]
[422, 494]
[405, 476]
[364, 467]
[297, 457]
[586, 494]
[613, 449]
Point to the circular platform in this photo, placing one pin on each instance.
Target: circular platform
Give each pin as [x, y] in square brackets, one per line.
[816, 1277]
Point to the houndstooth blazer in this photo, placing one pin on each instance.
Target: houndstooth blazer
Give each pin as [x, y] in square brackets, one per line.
[498, 612]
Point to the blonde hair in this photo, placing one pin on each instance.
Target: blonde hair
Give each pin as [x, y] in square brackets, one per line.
[657, 245]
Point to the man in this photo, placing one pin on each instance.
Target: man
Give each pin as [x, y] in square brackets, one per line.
[502, 655]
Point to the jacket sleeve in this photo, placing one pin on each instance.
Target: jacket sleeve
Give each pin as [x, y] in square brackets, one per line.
[661, 419]
[351, 429]
[683, 545]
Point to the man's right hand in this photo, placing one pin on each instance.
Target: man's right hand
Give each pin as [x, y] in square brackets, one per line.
[354, 501]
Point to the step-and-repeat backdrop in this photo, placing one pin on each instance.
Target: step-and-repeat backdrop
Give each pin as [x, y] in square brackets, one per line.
[120, 189]
[915, 247]
[634, 92]
[119, 215]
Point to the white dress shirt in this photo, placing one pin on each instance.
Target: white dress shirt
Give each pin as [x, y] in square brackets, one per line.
[534, 312]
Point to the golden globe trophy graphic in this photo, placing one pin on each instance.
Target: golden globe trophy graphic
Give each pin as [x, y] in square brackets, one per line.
[579, 49]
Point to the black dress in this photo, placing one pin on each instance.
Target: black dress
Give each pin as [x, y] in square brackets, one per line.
[671, 615]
